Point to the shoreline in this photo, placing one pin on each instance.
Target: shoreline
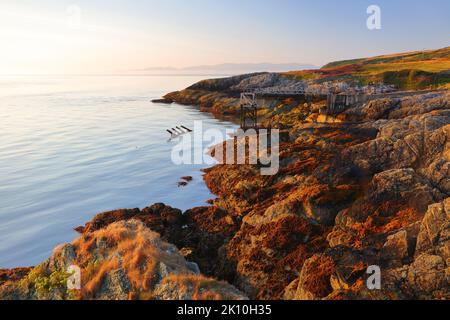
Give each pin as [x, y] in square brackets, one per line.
[179, 182]
[351, 194]
[140, 164]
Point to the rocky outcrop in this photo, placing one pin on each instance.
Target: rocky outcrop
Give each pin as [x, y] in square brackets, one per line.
[123, 260]
[217, 103]
[368, 186]
[410, 269]
[199, 232]
[434, 233]
[226, 84]
[196, 288]
[13, 275]
[347, 196]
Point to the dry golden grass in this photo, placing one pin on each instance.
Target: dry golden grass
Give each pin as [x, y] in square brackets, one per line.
[433, 66]
[411, 71]
[93, 283]
[129, 246]
[303, 75]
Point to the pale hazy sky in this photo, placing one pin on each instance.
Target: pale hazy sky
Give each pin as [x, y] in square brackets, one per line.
[117, 36]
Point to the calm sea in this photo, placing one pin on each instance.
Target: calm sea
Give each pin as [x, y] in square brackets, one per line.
[72, 147]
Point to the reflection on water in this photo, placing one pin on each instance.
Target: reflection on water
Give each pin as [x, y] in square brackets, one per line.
[73, 147]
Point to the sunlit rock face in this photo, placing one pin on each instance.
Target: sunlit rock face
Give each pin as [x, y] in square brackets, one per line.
[124, 260]
[368, 186]
[353, 190]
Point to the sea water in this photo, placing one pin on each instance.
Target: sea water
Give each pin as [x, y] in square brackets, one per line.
[75, 146]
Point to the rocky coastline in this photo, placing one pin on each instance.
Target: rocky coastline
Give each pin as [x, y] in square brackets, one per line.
[369, 185]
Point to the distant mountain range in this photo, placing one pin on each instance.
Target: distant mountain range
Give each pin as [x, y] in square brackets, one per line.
[230, 68]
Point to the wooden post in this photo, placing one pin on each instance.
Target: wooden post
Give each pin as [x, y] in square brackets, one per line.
[249, 111]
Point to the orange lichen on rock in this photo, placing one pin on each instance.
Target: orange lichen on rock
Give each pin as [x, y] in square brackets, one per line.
[315, 277]
[131, 247]
[124, 260]
[377, 224]
[188, 287]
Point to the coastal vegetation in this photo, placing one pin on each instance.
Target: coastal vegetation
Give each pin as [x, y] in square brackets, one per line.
[365, 186]
[410, 71]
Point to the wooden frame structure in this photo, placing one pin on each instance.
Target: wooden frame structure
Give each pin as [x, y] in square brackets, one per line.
[336, 102]
[249, 111]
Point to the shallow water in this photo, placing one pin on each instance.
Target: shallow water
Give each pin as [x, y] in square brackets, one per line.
[71, 147]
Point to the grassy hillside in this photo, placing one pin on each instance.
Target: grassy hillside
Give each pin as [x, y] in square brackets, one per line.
[413, 70]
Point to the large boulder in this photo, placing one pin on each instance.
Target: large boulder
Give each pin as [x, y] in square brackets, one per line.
[195, 288]
[315, 278]
[124, 260]
[398, 107]
[434, 235]
[395, 198]
[395, 250]
[428, 278]
[412, 135]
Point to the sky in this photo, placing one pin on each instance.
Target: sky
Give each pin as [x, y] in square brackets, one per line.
[123, 36]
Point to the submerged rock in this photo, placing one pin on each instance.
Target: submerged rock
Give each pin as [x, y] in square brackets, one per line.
[163, 100]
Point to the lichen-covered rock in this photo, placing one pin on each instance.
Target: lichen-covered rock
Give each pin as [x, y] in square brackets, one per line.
[428, 278]
[399, 107]
[416, 140]
[395, 250]
[186, 287]
[360, 188]
[115, 286]
[434, 235]
[124, 260]
[315, 278]
[353, 187]
[365, 186]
